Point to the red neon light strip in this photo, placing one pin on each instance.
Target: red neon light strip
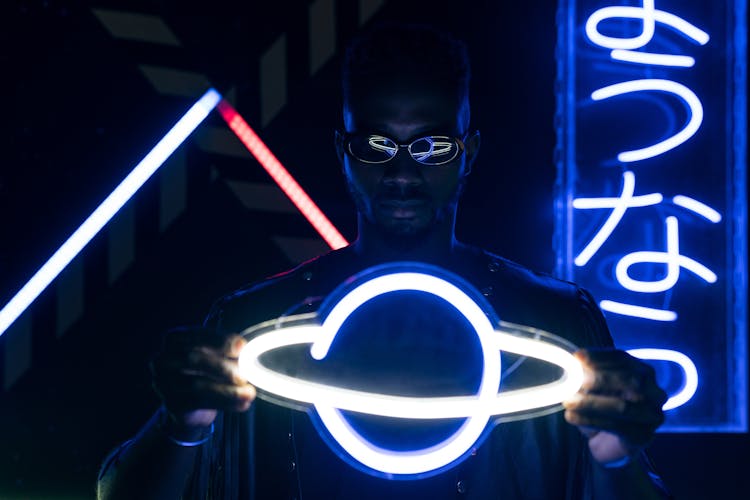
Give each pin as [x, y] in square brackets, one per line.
[282, 176]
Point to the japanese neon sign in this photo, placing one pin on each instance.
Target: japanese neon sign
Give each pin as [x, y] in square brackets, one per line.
[651, 198]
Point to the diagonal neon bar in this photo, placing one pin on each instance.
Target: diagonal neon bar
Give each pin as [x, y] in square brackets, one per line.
[108, 208]
[281, 176]
[141, 173]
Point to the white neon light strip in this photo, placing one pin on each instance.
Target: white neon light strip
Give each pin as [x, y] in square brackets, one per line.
[107, 209]
[476, 409]
[696, 206]
[282, 177]
[687, 95]
[638, 311]
[619, 206]
[653, 59]
[689, 371]
[645, 13]
[673, 260]
[649, 15]
[385, 405]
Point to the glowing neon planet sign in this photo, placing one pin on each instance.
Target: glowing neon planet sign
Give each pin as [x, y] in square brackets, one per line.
[477, 409]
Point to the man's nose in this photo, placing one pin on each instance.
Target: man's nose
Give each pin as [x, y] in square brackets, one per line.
[403, 170]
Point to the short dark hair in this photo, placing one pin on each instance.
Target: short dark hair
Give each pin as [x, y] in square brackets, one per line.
[389, 49]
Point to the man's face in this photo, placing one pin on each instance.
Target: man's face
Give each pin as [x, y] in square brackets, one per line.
[403, 197]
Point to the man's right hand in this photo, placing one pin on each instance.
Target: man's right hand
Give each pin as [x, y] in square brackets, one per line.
[196, 374]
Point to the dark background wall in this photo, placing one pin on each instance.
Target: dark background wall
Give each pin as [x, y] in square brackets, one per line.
[91, 87]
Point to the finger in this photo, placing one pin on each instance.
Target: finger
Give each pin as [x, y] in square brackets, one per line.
[612, 371]
[613, 407]
[624, 384]
[633, 435]
[628, 388]
[233, 346]
[200, 393]
[605, 356]
[199, 363]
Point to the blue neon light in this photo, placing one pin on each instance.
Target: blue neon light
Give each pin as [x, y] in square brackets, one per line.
[699, 208]
[690, 373]
[619, 205]
[687, 95]
[638, 311]
[648, 15]
[108, 208]
[654, 59]
[657, 231]
[671, 258]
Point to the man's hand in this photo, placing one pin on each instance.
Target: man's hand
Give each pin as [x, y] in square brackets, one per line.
[197, 374]
[619, 406]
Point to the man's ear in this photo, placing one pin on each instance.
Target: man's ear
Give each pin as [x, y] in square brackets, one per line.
[338, 142]
[471, 148]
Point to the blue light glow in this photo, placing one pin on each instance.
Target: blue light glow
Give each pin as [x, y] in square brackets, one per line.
[619, 205]
[653, 59]
[477, 409]
[638, 311]
[666, 259]
[699, 208]
[689, 371]
[649, 15]
[107, 209]
[673, 260]
[694, 121]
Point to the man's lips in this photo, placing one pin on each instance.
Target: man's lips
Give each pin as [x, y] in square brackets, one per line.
[400, 208]
[413, 202]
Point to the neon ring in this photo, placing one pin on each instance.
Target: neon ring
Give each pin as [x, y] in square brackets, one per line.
[328, 401]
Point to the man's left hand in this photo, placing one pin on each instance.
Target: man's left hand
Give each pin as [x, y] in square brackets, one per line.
[619, 405]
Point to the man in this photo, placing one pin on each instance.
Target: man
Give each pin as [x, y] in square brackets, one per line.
[406, 150]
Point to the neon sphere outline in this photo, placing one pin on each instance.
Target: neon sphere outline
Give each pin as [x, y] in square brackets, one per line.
[476, 409]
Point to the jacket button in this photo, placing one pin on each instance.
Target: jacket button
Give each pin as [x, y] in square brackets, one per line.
[487, 291]
[461, 486]
[493, 266]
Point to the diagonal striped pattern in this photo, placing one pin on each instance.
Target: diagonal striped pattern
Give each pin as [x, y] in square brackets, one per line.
[322, 33]
[262, 197]
[175, 82]
[273, 80]
[135, 26]
[17, 351]
[171, 81]
[368, 8]
[69, 296]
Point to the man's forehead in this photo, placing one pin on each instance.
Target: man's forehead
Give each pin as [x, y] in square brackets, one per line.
[404, 110]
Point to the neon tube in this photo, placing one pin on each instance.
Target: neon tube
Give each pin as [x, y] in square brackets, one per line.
[477, 409]
[671, 258]
[108, 208]
[688, 369]
[649, 15]
[638, 311]
[281, 176]
[687, 95]
[699, 208]
[619, 206]
[655, 59]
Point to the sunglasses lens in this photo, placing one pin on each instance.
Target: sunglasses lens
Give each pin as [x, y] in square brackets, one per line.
[372, 148]
[434, 150]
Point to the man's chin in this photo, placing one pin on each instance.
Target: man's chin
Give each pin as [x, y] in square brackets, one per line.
[405, 231]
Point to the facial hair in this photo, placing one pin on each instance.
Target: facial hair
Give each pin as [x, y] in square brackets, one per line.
[406, 235]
